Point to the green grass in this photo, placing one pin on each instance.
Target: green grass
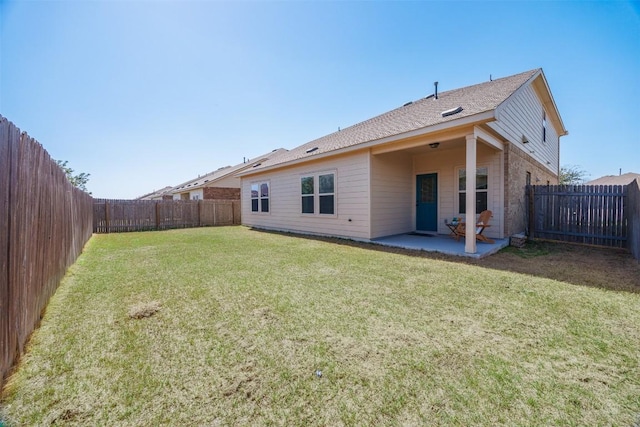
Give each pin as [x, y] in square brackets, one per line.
[235, 323]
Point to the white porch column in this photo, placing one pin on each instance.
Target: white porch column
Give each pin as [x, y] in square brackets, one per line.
[470, 217]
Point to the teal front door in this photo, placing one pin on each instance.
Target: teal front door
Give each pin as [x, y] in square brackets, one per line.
[427, 202]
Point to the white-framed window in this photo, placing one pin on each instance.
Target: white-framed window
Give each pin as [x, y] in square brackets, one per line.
[260, 194]
[482, 189]
[195, 197]
[318, 193]
[544, 126]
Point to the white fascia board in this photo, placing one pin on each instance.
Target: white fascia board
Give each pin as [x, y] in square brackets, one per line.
[484, 117]
[552, 103]
[412, 143]
[488, 138]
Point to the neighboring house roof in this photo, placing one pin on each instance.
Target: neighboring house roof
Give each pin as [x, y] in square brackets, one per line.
[423, 113]
[159, 193]
[210, 178]
[624, 179]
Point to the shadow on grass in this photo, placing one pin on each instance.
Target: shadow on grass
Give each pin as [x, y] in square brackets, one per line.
[606, 268]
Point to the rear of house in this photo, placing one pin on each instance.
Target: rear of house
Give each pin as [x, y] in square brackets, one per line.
[406, 170]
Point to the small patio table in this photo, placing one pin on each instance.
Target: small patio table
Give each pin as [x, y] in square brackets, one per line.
[453, 226]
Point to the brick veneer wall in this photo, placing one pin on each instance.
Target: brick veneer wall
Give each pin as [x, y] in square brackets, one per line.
[516, 165]
[220, 193]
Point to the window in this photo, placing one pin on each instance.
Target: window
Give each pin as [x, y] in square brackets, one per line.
[307, 194]
[326, 194]
[260, 197]
[544, 126]
[318, 190]
[528, 178]
[482, 185]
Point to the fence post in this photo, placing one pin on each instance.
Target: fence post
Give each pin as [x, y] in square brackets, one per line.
[106, 215]
[531, 212]
[157, 216]
[7, 354]
[199, 213]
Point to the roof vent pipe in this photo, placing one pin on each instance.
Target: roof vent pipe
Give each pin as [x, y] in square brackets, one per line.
[436, 92]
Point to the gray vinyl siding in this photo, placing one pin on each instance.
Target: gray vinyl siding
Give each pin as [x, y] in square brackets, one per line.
[522, 115]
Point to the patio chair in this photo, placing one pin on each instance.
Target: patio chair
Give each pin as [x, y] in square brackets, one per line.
[481, 224]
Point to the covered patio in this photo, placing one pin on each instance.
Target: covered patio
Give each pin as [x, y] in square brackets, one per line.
[441, 243]
[420, 183]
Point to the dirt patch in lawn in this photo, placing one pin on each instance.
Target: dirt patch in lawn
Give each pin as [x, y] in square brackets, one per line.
[144, 309]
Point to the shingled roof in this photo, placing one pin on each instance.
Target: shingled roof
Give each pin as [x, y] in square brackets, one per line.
[207, 179]
[624, 179]
[157, 193]
[423, 113]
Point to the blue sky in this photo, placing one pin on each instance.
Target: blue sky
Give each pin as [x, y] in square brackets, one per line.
[147, 94]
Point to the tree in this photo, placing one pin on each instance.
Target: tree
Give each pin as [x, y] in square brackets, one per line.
[572, 175]
[80, 180]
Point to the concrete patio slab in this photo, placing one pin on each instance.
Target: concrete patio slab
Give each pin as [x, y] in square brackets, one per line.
[440, 243]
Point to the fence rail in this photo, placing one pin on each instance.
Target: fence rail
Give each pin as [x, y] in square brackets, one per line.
[44, 224]
[587, 214]
[116, 216]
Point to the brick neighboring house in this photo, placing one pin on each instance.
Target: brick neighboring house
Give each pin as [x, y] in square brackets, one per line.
[221, 184]
[405, 170]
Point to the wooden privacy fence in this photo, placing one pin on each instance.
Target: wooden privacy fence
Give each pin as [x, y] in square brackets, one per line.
[44, 224]
[587, 214]
[115, 216]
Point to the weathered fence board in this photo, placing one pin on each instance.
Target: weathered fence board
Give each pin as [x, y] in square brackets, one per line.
[594, 215]
[633, 215]
[44, 224]
[116, 216]
[6, 355]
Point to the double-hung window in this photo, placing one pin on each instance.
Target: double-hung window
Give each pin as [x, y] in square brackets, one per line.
[260, 197]
[482, 188]
[308, 194]
[318, 193]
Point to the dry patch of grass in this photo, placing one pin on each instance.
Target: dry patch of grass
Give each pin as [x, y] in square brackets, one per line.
[248, 319]
[606, 268]
[142, 310]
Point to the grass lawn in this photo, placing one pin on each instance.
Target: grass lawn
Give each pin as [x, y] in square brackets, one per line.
[229, 326]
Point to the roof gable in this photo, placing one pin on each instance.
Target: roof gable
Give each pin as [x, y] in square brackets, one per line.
[542, 89]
